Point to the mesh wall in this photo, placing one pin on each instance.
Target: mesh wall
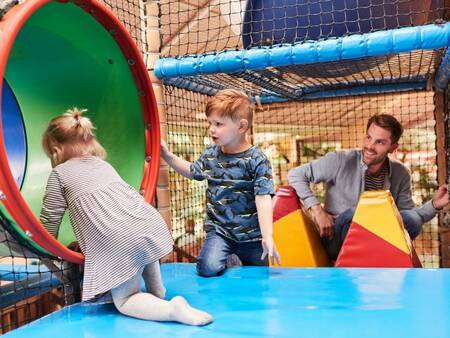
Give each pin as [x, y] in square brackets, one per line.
[209, 26]
[295, 82]
[187, 136]
[300, 130]
[31, 284]
[294, 133]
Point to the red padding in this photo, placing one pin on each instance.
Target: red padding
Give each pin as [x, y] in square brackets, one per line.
[284, 202]
[363, 248]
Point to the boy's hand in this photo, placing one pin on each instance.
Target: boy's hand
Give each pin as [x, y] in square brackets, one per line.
[164, 148]
[270, 249]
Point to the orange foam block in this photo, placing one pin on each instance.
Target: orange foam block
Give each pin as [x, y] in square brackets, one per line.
[377, 236]
[295, 236]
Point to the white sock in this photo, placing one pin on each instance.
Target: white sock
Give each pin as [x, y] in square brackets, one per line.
[184, 313]
[131, 302]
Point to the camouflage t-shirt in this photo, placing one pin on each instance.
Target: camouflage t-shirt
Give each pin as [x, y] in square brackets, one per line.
[233, 182]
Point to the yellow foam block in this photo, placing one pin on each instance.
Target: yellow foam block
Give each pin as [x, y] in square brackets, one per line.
[376, 211]
[298, 241]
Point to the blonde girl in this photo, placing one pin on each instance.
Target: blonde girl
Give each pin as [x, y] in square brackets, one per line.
[121, 236]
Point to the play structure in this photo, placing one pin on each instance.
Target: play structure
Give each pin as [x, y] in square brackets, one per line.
[47, 67]
[283, 302]
[316, 69]
[294, 232]
[314, 92]
[377, 236]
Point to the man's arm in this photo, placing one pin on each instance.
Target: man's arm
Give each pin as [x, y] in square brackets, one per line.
[265, 218]
[321, 170]
[180, 165]
[429, 209]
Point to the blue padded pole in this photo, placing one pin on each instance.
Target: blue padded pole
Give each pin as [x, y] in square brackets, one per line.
[443, 74]
[361, 90]
[380, 89]
[427, 37]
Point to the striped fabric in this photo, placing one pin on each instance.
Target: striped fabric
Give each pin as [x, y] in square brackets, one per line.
[376, 182]
[118, 232]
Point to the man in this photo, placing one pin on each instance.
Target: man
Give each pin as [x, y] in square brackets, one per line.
[347, 174]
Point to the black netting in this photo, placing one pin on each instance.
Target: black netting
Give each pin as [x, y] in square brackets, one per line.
[32, 283]
[131, 13]
[301, 129]
[295, 133]
[294, 82]
[203, 26]
[187, 134]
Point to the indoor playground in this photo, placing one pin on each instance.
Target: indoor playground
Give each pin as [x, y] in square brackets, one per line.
[316, 70]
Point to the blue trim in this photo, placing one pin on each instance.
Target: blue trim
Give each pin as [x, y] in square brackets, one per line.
[360, 90]
[406, 39]
[11, 272]
[389, 88]
[23, 289]
[443, 74]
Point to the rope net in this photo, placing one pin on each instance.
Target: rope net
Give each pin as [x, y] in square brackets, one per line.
[208, 26]
[306, 126]
[294, 133]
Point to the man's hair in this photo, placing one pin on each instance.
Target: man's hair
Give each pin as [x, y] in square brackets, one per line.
[389, 123]
[231, 103]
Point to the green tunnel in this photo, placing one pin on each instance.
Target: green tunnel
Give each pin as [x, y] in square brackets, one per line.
[62, 58]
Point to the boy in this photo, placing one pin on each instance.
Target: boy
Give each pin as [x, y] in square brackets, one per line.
[239, 204]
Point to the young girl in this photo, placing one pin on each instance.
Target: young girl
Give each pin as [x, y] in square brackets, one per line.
[121, 236]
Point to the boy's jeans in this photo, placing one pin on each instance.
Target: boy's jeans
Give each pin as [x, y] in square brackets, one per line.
[411, 220]
[216, 249]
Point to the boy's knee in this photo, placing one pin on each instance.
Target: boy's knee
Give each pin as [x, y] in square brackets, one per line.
[209, 269]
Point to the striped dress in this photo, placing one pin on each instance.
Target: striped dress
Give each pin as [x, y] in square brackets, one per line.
[118, 232]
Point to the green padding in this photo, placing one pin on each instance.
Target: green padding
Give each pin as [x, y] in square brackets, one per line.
[64, 58]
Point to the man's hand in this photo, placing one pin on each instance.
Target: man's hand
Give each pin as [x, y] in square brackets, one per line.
[324, 220]
[440, 197]
[270, 249]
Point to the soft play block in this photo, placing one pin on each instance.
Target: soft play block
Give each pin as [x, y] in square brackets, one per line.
[377, 236]
[295, 236]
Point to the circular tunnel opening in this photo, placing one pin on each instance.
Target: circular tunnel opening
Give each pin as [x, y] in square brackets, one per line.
[74, 55]
[14, 134]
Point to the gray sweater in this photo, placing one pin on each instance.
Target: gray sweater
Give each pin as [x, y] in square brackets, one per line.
[343, 173]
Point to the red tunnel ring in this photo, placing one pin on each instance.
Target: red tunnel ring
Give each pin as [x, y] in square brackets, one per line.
[10, 26]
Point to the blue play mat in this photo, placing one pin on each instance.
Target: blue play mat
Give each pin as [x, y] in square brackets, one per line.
[276, 302]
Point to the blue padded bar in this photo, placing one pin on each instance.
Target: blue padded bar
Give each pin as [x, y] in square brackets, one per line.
[11, 272]
[406, 39]
[361, 90]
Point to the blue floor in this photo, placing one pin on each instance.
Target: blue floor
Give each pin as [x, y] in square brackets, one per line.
[264, 302]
